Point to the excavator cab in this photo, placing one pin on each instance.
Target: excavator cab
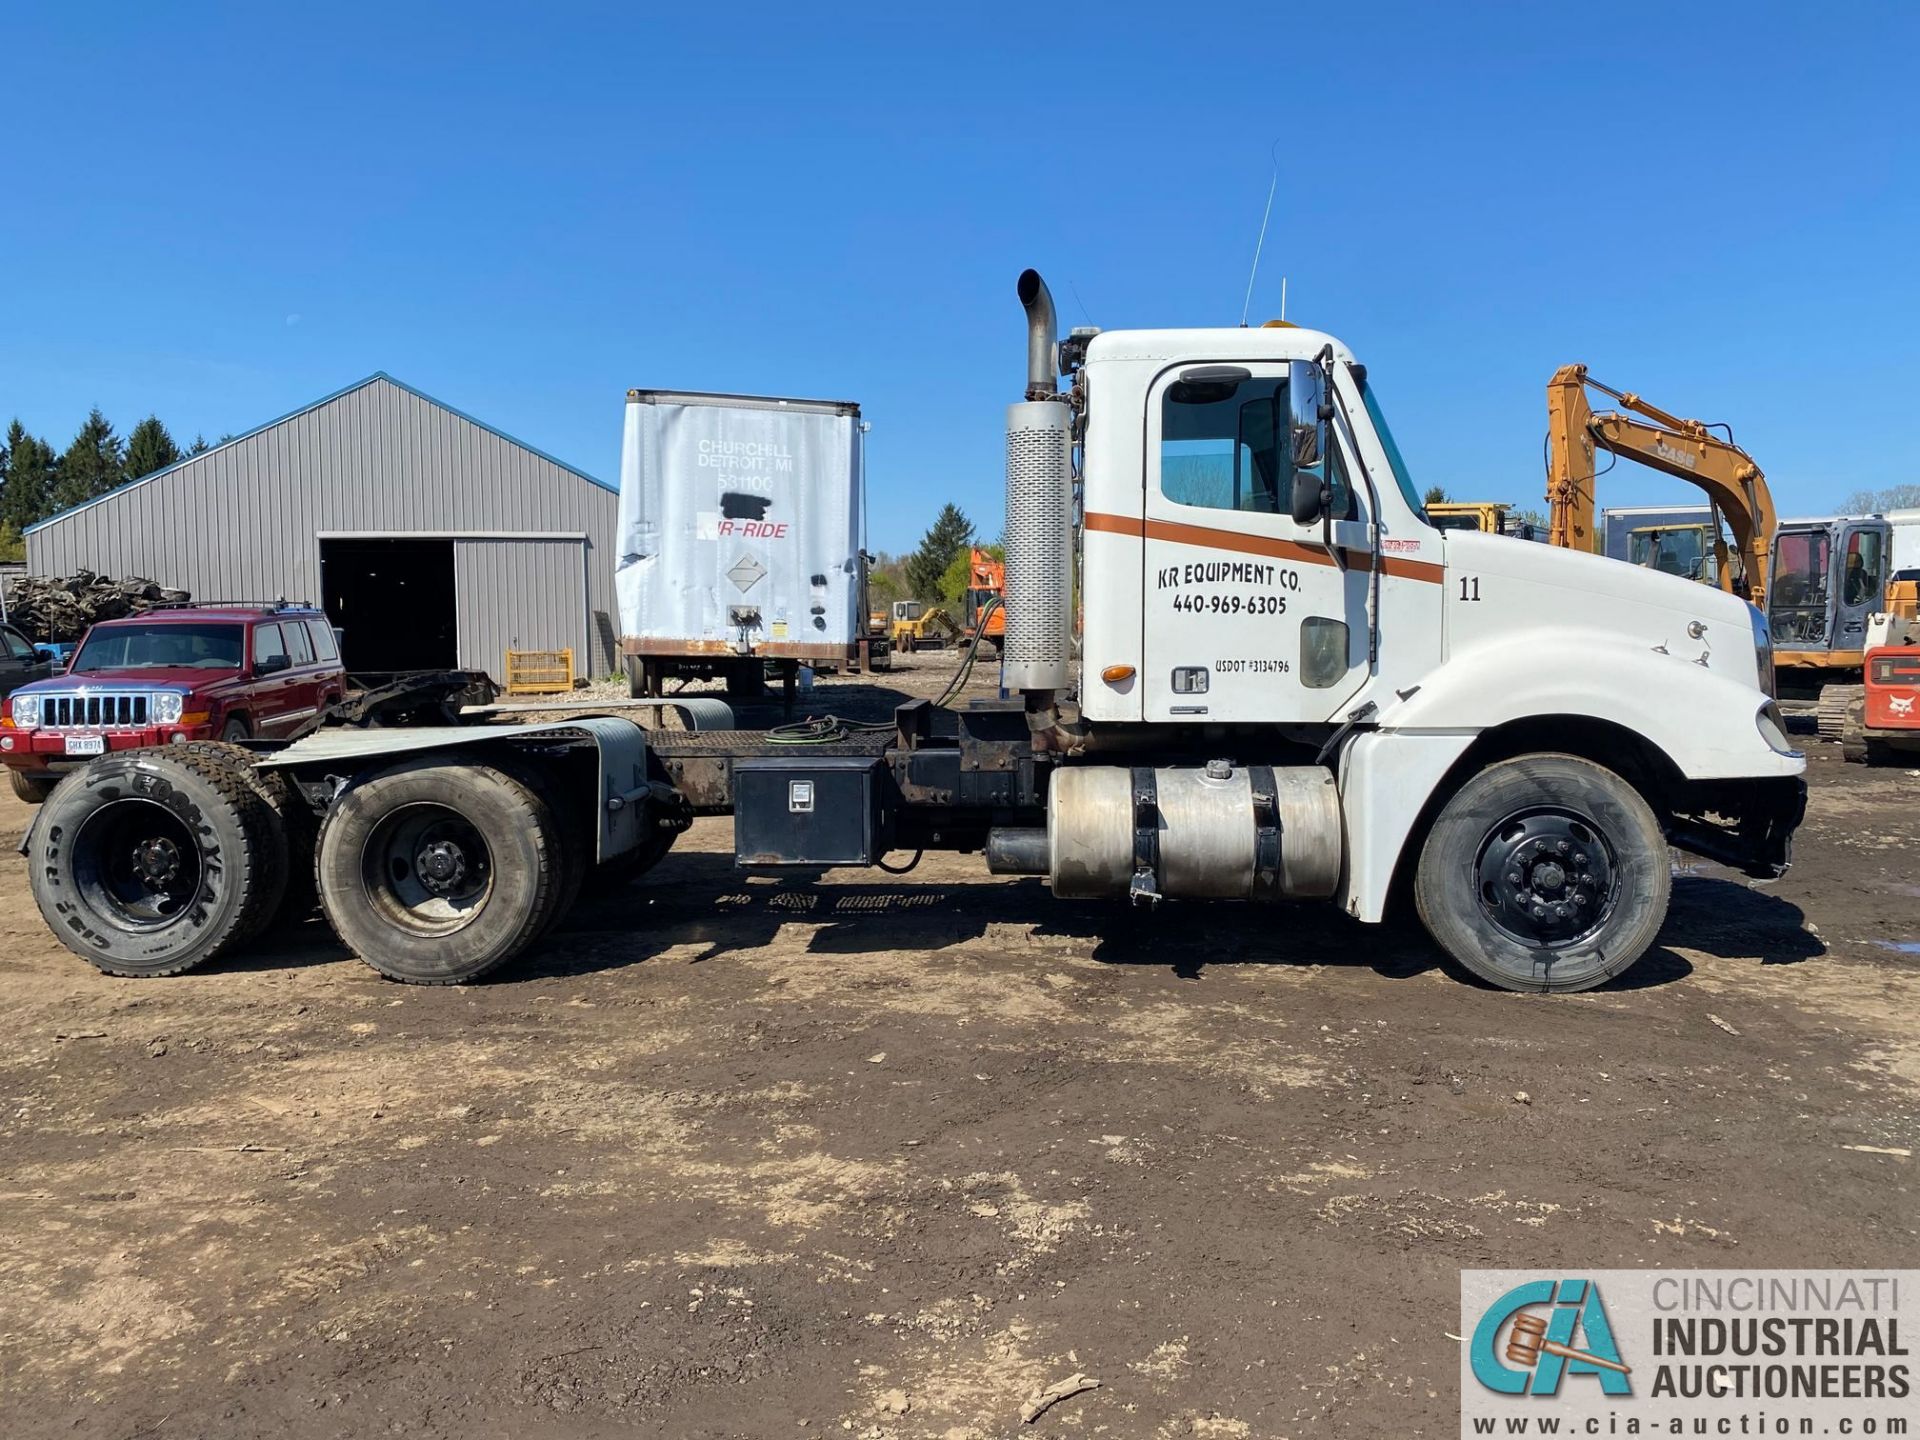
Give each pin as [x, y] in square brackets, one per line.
[1683, 550]
[1829, 576]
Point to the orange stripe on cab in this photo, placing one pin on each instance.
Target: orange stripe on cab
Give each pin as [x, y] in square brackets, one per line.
[1204, 535]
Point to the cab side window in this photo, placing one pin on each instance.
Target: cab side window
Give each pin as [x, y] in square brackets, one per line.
[1224, 445]
[299, 645]
[1865, 582]
[323, 642]
[267, 644]
[1219, 444]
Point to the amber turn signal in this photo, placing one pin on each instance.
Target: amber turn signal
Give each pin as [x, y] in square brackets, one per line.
[1114, 674]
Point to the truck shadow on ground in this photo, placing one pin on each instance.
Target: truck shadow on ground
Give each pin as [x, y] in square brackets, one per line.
[701, 899]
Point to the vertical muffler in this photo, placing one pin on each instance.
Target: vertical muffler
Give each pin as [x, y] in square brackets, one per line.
[1039, 536]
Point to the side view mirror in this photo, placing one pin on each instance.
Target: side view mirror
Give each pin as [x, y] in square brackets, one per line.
[272, 664]
[1309, 498]
[1308, 433]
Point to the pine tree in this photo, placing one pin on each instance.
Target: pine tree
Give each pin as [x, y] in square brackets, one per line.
[199, 446]
[950, 533]
[94, 464]
[150, 448]
[26, 497]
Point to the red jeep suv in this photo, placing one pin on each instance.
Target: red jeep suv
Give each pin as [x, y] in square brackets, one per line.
[188, 672]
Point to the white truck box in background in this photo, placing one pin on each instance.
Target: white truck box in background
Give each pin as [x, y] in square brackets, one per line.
[740, 531]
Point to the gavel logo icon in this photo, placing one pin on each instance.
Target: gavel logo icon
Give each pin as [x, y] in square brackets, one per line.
[1527, 1342]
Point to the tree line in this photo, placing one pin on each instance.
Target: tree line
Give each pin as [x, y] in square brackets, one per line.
[36, 482]
[938, 569]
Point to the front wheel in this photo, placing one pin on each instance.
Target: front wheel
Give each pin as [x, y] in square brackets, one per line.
[1545, 873]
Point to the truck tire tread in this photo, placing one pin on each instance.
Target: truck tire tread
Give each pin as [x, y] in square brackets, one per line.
[257, 863]
[523, 816]
[298, 823]
[1446, 880]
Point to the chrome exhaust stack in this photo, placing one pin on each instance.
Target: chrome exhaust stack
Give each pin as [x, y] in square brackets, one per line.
[1043, 337]
[1039, 537]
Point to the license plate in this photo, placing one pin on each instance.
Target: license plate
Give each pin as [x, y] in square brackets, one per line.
[86, 745]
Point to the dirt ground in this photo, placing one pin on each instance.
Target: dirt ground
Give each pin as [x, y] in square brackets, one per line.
[744, 1157]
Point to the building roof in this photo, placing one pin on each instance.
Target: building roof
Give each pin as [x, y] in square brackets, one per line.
[377, 376]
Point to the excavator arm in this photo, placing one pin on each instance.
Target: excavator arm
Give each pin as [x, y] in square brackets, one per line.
[1686, 449]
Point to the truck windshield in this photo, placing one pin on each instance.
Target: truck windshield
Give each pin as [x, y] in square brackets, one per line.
[1387, 443]
[156, 647]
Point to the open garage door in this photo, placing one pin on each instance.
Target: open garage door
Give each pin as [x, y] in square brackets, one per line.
[395, 603]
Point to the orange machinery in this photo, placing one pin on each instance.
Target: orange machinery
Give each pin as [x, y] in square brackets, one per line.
[1685, 449]
[987, 580]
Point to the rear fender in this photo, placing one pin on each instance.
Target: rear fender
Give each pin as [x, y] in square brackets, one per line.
[626, 804]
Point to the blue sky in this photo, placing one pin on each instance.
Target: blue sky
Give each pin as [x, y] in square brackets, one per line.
[220, 213]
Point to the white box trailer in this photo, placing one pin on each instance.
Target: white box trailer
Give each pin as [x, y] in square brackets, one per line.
[740, 535]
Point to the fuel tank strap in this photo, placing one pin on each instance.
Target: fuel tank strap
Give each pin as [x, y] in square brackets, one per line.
[1266, 834]
[1146, 835]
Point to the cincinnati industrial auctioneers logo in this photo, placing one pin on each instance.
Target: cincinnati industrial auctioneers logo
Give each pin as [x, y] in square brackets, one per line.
[1537, 1334]
[1689, 1352]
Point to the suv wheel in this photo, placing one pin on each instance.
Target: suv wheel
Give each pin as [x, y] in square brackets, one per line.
[30, 789]
[235, 730]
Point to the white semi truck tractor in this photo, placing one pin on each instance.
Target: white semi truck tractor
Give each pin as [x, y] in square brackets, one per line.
[1243, 667]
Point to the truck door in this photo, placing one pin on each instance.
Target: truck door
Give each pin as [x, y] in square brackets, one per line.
[1248, 617]
[275, 691]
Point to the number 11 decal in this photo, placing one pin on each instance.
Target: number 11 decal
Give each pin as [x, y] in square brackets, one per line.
[1469, 587]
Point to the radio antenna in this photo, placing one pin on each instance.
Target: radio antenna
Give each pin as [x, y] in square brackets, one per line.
[1260, 244]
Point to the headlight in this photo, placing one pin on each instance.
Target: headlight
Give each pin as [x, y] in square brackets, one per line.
[1763, 652]
[1773, 729]
[166, 709]
[26, 712]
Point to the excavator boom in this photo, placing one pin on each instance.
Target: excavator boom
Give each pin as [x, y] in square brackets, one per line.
[1683, 448]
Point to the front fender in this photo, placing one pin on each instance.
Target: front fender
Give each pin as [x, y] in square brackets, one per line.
[1706, 723]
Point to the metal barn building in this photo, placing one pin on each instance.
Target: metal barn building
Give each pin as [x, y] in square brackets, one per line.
[433, 540]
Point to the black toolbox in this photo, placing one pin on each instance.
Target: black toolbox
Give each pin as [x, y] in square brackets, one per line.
[820, 810]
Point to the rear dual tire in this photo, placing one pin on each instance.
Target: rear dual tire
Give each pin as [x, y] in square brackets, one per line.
[1546, 873]
[436, 874]
[151, 862]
